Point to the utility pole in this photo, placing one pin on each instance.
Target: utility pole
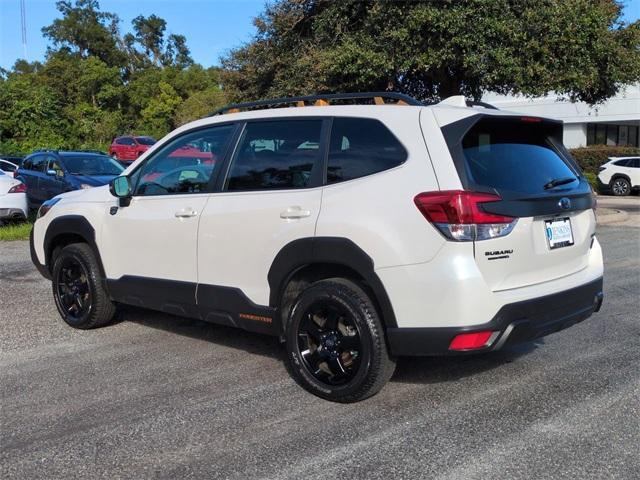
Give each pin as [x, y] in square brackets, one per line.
[23, 24]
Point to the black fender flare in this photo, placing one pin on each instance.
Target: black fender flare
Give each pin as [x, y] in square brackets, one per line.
[327, 250]
[74, 225]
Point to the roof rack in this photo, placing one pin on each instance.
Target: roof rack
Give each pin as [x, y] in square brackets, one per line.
[378, 98]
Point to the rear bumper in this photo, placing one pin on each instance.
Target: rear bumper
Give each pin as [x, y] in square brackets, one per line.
[13, 214]
[515, 323]
[602, 187]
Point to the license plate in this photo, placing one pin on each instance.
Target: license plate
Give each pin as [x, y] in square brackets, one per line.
[559, 233]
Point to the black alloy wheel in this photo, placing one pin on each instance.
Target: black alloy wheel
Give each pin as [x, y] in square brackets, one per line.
[72, 289]
[78, 288]
[329, 342]
[335, 342]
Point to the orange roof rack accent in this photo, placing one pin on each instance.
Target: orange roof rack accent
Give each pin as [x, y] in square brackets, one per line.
[377, 98]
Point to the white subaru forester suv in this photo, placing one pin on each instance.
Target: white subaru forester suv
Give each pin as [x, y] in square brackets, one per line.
[356, 233]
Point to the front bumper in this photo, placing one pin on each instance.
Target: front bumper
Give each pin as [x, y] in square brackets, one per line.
[516, 322]
[44, 271]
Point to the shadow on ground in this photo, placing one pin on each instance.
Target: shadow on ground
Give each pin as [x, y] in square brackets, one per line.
[418, 370]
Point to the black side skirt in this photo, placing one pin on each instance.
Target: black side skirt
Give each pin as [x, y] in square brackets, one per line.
[210, 303]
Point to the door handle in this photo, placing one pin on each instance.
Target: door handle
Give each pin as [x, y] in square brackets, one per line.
[186, 213]
[292, 213]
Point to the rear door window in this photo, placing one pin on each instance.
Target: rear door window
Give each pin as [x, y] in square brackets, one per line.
[360, 147]
[515, 156]
[275, 155]
[622, 163]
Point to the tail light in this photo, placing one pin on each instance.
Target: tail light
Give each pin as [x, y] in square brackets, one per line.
[459, 216]
[19, 188]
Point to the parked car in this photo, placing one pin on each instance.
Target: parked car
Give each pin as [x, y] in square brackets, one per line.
[619, 176]
[13, 198]
[128, 148]
[9, 164]
[354, 233]
[50, 173]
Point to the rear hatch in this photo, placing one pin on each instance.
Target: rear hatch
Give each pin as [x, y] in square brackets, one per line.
[523, 163]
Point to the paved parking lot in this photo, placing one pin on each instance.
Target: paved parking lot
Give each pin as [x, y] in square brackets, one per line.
[155, 396]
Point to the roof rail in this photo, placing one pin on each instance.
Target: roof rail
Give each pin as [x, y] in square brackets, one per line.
[460, 101]
[320, 100]
[471, 103]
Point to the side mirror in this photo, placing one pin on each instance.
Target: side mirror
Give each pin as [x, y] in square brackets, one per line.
[51, 172]
[120, 187]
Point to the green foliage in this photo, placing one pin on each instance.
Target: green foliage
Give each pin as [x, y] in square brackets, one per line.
[157, 117]
[592, 178]
[16, 231]
[579, 48]
[95, 84]
[590, 158]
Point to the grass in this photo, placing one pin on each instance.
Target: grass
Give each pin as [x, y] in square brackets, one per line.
[17, 230]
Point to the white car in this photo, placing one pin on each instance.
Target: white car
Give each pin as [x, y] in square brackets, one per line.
[13, 198]
[7, 166]
[354, 233]
[620, 175]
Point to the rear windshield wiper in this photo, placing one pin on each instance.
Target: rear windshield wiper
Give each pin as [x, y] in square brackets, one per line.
[559, 181]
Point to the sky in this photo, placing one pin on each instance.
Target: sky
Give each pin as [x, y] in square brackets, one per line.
[212, 27]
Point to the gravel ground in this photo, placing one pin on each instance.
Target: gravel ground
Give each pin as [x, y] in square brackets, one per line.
[156, 396]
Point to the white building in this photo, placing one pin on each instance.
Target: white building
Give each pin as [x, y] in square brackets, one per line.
[615, 122]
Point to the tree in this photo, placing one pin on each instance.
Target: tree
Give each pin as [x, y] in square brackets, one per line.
[157, 117]
[431, 50]
[86, 31]
[161, 52]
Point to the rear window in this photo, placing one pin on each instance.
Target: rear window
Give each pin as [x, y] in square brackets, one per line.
[145, 140]
[514, 155]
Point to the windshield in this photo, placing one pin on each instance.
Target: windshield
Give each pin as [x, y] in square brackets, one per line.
[93, 165]
[145, 140]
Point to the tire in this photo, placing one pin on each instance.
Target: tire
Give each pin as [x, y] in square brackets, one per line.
[78, 291]
[335, 342]
[620, 187]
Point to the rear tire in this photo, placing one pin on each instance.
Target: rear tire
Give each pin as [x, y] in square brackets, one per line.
[620, 187]
[78, 290]
[335, 342]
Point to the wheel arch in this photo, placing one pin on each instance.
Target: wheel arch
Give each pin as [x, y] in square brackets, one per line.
[620, 175]
[310, 259]
[68, 229]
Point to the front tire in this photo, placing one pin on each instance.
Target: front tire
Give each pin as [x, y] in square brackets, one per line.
[620, 187]
[77, 288]
[335, 342]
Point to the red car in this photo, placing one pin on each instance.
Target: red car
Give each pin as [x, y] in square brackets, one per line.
[129, 148]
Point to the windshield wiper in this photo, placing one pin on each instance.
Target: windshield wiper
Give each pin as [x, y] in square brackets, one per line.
[559, 181]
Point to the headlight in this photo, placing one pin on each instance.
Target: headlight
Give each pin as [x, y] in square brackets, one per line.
[85, 186]
[46, 206]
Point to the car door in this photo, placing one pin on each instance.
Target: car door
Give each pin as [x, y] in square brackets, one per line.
[128, 149]
[271, 196]
[35, 173]
[52, 182]
[149, 247]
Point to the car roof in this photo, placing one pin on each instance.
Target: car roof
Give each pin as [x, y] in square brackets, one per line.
[80, 154]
